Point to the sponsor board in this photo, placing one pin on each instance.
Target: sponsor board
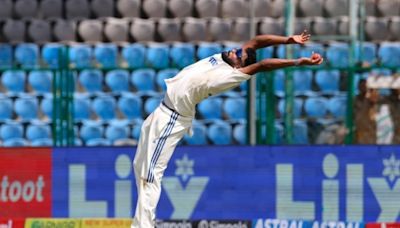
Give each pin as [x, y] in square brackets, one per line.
[109, 223]
[48, 222]
[383, 225]
[12, 223]
[203, 224]
[278, 223]
[25, 182]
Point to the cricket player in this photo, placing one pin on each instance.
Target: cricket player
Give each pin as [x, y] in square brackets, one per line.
[165, 127]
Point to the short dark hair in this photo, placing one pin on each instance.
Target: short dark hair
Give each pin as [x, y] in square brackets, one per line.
[251, 57]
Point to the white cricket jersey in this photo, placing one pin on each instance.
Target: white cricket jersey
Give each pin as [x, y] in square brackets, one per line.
[207, 77]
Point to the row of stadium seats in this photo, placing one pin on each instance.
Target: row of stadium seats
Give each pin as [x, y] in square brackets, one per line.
[183, 8]
[179, 55]
[183, 29]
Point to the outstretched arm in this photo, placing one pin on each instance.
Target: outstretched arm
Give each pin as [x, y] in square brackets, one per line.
[273, 64]
[261, 41]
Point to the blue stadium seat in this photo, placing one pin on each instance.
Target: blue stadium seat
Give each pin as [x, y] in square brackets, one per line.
[117, 130]
[118, 80]
[328, 81]
[51, 54]
[279, 82]
[151, 104]
[16, 142]
[315, 107]
[26, 107]
[300, 132]
[199, 134]
[297, 107]
[6, 58]
[229, 45]
[389, 54]
[106, 55]
[130, 106]
[81, 107]
[27, 55]
[6, 108]
[205, 50]
[234, 108]
[91, 130]
[220, 133]
[38, 130]
[281, 51]
[80, 55]
[382, 72]
[337, 54]
[11, 130]
[14, 81]
[368, 52]
[278, 133]
[210, 108]
[165, 74]
[134, 55]
[182, 54]
[267, 52]
[157, 56]
[98, 142]
[302, 80]
[240, 133]
[135, 132]
[42, 142]
[143, 80]
[337, 106]
[41, 81]
[91, 80]
[46, 106]
[104, 107]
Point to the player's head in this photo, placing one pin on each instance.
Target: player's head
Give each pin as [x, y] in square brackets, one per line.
[239, 57]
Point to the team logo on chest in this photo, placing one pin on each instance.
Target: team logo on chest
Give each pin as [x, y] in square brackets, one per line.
[213, 61]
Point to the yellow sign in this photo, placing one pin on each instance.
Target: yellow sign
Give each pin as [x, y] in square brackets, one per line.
[106, 223]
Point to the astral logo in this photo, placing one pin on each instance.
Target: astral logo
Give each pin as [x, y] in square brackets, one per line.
[15, 191]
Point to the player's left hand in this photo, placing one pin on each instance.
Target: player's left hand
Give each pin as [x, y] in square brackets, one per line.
[300, 39]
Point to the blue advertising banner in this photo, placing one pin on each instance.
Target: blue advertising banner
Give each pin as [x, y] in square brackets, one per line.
[323, 183]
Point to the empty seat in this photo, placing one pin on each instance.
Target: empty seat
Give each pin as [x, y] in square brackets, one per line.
[205, 50]
[11, 130]
[14, 30]
[337, 54]
[130, 106]
[77, 9]
[389, 54]
[234, 108]
[311, 8]
[302, 80]
[39, 31]
[134, 55]
[328, 81]
[38, 130]
[117, 130]
[26, 107]
[297, 107]
[210, 108]
[129, 8]
[301, 24]
[98, 142]
[104, 107]
[234, 8]
[91, 130]
[241, 29]
[106, 55]
[14, 81]
[181, 8]
[336, 8]
[281, 51]
[26, 8]
[165, 74]
[220, 29]
[388, 7]
[51, 54]
[91, 80]
[118, 80]
[377, 28]
[394, 27]
[366, 52]
[262, 8]
[337, 106]
[51, 9]
[324, 26]
[116, 30]
[182, 54]
[102, 8]
[315, 107]
[64, 30]
[27, 54]
[82, 109]
[220, 133]
[143, 80]
[194, 29]
[41, 81]
[6, 56]
[343, 25]
[300, 132]
[240, 134]
[151, 104]
[42, 142]
[46, 106]
[91, 30]
[279, 82]
[136, 128]
[157, 56]
[17, 142]
[80, 55]
[169, 29]
[142, 29]
[309, 48]
[155, 8]
[6, 9]
[6, 108]
[199, 134]
[277, 9]
[207, 8]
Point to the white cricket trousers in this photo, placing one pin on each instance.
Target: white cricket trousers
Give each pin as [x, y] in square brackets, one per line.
[160, 134]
